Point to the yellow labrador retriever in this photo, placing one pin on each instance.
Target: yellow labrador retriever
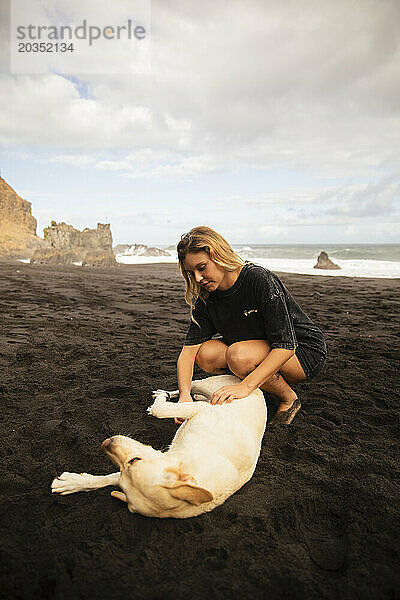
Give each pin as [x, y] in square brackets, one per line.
[213, 453]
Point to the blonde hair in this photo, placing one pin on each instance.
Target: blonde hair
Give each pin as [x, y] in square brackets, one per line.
[204, 239]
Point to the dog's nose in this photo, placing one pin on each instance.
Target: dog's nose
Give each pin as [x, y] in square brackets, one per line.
[107, 443]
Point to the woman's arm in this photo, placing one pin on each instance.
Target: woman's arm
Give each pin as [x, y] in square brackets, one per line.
[269, 366]
[184, 369]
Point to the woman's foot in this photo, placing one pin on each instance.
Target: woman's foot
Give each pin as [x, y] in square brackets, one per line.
[285, 414]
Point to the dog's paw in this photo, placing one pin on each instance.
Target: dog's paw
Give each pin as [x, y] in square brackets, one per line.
[160, 395]
[154, 409]
[69, 483]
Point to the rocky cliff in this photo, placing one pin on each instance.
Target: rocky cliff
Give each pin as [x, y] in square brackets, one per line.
[17, 225]
[63, 245]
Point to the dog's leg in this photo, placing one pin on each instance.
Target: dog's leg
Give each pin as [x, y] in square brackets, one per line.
[206, 387]
[166, 410]
[174, 394]
[69, 483]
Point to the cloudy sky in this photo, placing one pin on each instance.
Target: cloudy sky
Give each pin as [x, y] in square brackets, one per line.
[273, 121]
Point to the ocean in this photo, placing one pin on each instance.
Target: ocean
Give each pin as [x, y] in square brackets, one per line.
[355, 260]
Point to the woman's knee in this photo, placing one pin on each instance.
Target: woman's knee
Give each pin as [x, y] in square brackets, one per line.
[243, 357]
[211, 356]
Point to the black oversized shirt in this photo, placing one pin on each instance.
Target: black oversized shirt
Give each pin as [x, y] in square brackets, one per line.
[256, 307]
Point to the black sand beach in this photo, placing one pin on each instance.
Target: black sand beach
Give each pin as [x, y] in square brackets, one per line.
[81, 351]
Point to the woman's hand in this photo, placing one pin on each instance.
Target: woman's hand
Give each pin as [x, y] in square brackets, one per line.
[182, 399]
[231, 392]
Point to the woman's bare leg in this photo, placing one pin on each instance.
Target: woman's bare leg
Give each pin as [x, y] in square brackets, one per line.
[242, 358]
[211, 357]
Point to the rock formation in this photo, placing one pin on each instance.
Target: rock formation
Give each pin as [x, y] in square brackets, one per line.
[139, 250]
[120, 248]
[324, 262]
[17, 225]
[63, 245]
[155, 252]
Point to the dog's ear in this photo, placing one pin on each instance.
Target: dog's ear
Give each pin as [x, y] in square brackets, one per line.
[191, 493]
[183, 486]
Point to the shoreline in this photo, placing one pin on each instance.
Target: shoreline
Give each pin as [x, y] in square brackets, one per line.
[326, 273]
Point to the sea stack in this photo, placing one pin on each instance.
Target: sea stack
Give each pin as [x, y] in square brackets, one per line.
[324, 262]
[17, 224]
[65, 245]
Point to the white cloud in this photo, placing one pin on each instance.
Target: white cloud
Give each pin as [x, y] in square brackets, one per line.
[289, 197]
[369, 200]
[74, 160]
[161, 165]
[308, 88]
[336, 204]
[350, 231]
[47, 112]
[307, 84]
[390, 232]
[274, 232]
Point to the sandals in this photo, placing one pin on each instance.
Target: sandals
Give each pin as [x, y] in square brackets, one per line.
[285, 417]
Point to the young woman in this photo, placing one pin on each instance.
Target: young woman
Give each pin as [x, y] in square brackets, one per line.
[264, 336]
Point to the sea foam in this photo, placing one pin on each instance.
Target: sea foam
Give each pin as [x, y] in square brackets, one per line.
[349, 268]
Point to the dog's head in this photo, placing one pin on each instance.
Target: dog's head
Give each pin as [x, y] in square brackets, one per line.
[154, 484]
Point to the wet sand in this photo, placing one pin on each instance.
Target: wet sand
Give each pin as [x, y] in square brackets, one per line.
[81, 351]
